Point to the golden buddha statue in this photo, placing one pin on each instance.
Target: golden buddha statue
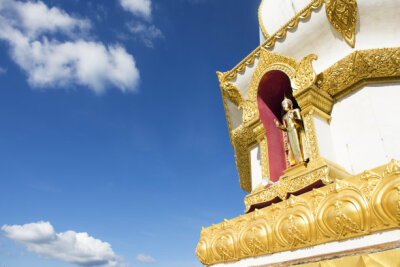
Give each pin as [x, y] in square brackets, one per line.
[293, 125]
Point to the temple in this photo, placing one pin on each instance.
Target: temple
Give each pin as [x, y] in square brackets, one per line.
[311, 115]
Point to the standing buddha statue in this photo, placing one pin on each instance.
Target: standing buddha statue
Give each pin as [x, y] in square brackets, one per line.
[293, 125]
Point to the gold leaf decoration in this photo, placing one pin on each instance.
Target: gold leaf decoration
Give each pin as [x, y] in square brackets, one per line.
[342, 14]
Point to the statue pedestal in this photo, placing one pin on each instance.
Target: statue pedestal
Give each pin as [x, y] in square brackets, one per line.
[296, 180]
[295, 170]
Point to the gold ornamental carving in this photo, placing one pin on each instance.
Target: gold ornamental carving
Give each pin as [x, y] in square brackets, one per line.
[230, 90]
[254, 238]
[339, 217]
[295, 227]
[305, 75]
[340, 211]
[360, 68]
[271, 61]
[312, 142]
[243, 138]
[342, 14]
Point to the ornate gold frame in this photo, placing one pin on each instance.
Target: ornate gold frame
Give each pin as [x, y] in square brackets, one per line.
[314, 93]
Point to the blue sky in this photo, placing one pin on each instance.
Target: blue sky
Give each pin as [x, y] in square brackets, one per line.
[114, 147]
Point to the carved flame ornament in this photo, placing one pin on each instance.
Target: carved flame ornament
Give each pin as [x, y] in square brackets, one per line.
[342, 14]
[305, 75]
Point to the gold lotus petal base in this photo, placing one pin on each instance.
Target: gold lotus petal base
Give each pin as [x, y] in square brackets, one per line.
[354, 206]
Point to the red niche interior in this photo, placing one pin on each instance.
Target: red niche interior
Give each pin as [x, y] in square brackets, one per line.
[272, 89]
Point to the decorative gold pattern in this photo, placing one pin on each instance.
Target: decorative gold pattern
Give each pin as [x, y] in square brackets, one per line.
[230, 90]
[331, 213]
[313, 150]
[242, 139]
[264, 157]
[360, 68]
[305, 75]
[262, 142]
[271, 61]
[342, 14]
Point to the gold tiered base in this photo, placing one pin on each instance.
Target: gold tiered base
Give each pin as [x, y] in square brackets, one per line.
[354, 206]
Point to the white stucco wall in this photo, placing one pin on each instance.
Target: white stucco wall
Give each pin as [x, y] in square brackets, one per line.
[332, 247]
[256, 173]
[235, 114]
[364, 127]
[324, 138]
[242, 80]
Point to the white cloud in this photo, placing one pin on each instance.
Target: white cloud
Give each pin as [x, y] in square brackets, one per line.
[49, 62]
[145, 259]
[69, 246]
[36, 18]
[137, 7]
[2, 70]
[147, 34]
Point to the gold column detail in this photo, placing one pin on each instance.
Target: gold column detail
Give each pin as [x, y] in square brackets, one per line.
[339, 211]
[262, 141]
[313, 150]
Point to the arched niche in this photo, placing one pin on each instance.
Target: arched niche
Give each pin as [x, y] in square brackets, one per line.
[273, 87]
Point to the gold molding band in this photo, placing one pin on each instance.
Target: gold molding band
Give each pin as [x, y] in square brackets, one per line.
[341, 14]
[359, 68]
[304, 14]
[355, 206]
[260, 21]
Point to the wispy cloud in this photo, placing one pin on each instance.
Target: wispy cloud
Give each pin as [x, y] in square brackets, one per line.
[137, 7]
[31, 29]
[145, 258]
[69, 246]
[145, 33]
[2, 70]
[142, 30]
